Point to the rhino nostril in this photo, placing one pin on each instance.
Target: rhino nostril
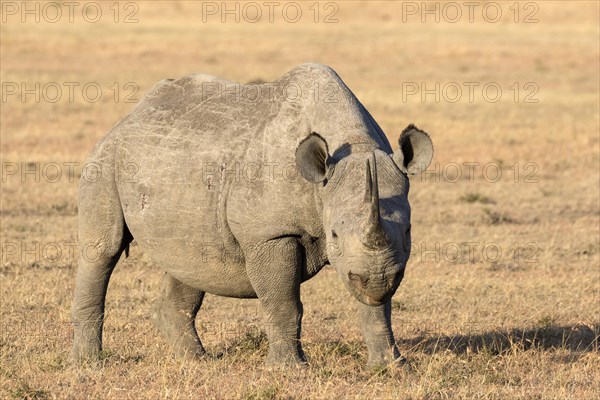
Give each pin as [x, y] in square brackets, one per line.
[356, 278]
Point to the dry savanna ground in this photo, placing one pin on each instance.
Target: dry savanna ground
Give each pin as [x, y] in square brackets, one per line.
[501, 295]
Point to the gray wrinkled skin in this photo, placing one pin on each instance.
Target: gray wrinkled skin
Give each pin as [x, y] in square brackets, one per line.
[247, 191]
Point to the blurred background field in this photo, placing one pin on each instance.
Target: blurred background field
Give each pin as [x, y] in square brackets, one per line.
[501, 295]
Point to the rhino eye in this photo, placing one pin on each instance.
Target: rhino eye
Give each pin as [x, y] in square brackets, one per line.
[334, 235]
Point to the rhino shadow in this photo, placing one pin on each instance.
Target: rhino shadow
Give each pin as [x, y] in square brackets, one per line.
[575, 338]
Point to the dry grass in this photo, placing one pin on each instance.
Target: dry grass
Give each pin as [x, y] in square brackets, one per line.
[473, 324]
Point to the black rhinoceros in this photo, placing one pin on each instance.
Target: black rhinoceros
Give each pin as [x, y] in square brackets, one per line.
[247, 191]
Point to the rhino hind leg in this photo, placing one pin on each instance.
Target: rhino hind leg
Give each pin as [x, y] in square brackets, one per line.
[174, 315]
[102, 237]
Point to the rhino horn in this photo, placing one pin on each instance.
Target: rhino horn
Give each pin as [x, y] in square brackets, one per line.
[373, 234]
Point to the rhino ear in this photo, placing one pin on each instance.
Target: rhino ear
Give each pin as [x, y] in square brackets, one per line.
[311, 158]
[415, 151]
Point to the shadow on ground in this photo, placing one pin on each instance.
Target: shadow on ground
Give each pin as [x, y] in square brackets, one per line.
[579, 337]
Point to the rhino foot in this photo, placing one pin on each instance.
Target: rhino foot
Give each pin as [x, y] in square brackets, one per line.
[178, 334]
[393, 361]
[84, 353]
[87, 340]
[285, 362]
[174, 317]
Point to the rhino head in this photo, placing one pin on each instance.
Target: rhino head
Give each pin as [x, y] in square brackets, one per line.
[366, 213]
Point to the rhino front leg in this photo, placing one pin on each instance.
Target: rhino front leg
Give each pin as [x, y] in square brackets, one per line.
[174, 316]
[274, 270]
[377, 330]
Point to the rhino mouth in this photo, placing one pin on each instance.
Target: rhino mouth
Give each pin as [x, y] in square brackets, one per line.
[372, 289]
[366, 298]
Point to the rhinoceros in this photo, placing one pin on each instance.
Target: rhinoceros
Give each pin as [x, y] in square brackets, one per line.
[247, 191]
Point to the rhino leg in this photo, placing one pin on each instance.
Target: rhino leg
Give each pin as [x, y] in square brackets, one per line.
[377, 330]
[274, 270]
[102, 237]
[174, 315]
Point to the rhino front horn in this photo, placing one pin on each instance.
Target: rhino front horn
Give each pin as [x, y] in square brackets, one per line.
[373, 234]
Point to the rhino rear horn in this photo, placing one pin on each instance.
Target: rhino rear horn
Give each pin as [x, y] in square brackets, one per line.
[373, 234]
